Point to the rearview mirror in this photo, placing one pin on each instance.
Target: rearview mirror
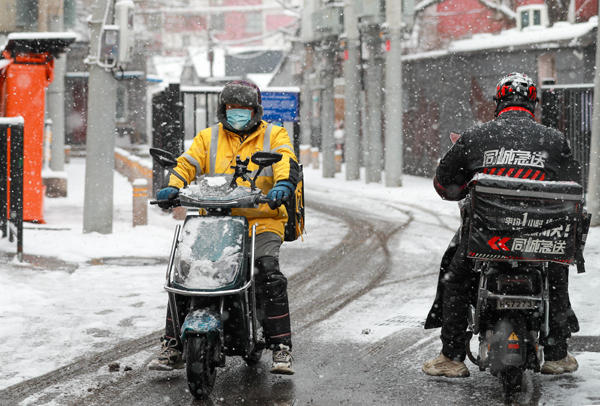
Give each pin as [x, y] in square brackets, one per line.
[163, 158]
[264, 159]
[166, 160]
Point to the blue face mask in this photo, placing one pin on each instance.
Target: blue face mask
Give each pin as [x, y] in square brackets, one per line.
[238, 118]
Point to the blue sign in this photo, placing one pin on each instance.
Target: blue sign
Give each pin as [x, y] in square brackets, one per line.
[280, 106]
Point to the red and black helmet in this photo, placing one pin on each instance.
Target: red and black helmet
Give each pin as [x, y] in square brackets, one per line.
[516, 89]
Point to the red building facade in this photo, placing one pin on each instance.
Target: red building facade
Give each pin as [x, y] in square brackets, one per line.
[462, 18]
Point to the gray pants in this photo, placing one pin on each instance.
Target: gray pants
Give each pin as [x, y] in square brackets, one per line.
[267, 244]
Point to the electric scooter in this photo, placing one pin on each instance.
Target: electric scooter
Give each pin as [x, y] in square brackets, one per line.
[516, 228]
[210, 274]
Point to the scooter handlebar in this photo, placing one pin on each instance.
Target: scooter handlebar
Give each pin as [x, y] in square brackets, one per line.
[172, 203]
[272, 203]
[175, 202]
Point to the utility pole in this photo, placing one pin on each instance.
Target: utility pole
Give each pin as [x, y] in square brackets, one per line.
[328, 110]
[374, 85]
[56, 104]
[100, 139]
[305, 108]
[593, 195]
[306, 95]
[394, 151]
[352, 93]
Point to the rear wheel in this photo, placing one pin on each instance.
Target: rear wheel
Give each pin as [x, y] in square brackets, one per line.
[512, 382]
[201, 372]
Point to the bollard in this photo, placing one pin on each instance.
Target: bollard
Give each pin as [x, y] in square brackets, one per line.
[338, 160]
[305, 155]
[315, 157]
[140, 202]
[179, 213]
[67, 154]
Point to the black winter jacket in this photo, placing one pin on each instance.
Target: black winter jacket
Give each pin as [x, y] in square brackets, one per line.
[511, 145]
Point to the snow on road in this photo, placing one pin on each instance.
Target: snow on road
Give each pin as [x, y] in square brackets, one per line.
[51, 317]
[404, 298]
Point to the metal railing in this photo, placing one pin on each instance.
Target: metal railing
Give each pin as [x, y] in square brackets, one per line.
[11, 180]
[167, 129]
[568, 108]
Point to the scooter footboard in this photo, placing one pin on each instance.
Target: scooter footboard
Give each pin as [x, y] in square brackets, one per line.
[202, 321]
[510, 340]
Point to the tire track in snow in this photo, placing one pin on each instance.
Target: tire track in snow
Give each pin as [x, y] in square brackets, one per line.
[362, 241]
[365, 247]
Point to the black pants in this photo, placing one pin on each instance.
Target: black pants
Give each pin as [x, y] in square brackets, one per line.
[458, 292]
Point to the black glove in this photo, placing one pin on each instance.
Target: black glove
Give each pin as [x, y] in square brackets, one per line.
[280, 193]
[166, 197]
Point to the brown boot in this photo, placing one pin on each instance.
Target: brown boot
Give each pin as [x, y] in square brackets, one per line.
[168, 359]
[282, 360]
[444, 366]
[567, 364]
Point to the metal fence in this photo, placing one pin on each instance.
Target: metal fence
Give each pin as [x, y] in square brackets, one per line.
[11, 180]
[568, 108]
[167, 129]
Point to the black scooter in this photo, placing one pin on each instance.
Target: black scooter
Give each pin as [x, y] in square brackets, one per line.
[516, 228]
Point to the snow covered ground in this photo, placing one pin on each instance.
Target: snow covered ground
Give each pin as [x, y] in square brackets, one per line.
[390, 308]
[50, 317]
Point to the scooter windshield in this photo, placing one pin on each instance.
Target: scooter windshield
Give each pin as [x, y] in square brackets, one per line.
[210, 252]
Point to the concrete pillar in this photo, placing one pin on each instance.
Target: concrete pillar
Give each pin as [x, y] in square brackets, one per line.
[394, 154]
[374, 85]
[352, 97]
[305, 109]
[56, 105]
[328, 113]
[100, 141]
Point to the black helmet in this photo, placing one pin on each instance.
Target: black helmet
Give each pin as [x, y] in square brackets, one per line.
[244, 93]
[516, 89]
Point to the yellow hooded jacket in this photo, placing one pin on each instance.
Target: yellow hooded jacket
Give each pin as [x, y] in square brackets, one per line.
[214, 151]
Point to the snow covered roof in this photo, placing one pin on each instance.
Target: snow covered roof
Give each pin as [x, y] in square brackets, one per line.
[201, 64]
[169, 68]
[261, 80]
[68, 36]
[549, 37]
[53, 42]
[12, 120]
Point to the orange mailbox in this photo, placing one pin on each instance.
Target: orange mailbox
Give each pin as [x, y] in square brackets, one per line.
[26, 70]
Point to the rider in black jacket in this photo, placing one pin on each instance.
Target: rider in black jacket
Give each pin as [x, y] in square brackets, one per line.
[512, 145]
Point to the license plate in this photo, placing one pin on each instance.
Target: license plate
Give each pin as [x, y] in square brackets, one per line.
[516, 304]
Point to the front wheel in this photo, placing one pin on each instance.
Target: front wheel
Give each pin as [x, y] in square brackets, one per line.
[512, 382]
[254, 357]
[201, 372]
